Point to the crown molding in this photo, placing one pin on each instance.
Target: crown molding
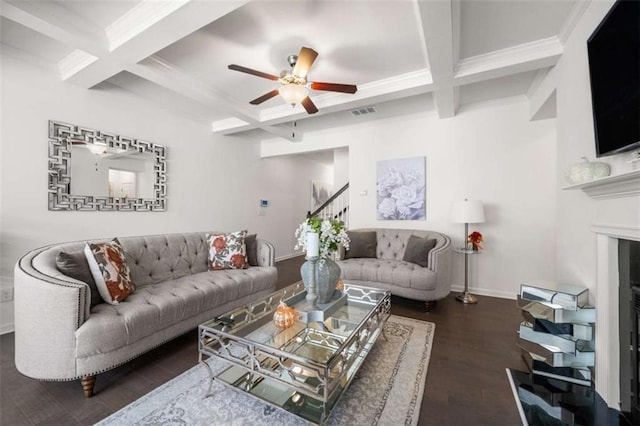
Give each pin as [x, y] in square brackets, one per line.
[74, 62]
[383, 90]
[579, 8]
[28, 58]
[511, 60]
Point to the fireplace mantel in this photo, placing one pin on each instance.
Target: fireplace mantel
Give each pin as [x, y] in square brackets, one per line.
[618, 186]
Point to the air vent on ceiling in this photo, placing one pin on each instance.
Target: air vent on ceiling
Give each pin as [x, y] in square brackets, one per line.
[363, 111]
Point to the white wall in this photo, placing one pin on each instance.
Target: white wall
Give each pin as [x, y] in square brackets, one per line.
[340, 167]
[214, 182]
[489, 152]
[576, 211]
[286, 183]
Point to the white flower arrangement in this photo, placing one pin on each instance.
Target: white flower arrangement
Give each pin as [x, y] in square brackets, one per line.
[332, 233]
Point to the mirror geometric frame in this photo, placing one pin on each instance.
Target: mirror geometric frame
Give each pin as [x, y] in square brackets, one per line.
[61, 136]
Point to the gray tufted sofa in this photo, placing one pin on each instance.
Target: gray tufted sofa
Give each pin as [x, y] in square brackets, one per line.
[59, 336]
[390, 272]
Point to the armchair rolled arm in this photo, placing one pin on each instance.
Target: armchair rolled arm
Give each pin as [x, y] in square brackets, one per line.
[266, 253]
[48, 311]
[440, 262]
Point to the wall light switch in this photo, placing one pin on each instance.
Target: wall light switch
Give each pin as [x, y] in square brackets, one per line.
[364, 192]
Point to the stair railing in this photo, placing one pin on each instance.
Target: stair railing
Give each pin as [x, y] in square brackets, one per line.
[336, 207]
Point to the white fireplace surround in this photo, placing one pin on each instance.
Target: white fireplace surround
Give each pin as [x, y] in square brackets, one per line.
[608, 233]
[608, 334]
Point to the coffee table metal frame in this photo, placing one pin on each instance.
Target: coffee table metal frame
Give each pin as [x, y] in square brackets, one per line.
[311, 388]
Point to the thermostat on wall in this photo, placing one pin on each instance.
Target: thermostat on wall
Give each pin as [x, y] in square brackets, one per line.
[264, 203]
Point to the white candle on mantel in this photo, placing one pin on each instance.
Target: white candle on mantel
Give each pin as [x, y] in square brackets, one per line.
[313, 244]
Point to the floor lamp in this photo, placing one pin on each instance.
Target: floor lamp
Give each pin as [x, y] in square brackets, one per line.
[467, 211]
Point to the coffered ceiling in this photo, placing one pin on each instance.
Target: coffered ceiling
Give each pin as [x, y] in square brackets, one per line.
[403, 55]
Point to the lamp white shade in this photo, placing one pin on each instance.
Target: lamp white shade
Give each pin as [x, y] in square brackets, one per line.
[467, 211]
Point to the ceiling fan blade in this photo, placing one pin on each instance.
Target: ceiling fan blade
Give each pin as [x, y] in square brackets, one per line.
[265, 97]
[334, 87]
[308, 104]
[252, 72]
[306, 57]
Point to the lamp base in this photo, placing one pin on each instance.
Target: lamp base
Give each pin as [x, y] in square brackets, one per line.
[467, 298]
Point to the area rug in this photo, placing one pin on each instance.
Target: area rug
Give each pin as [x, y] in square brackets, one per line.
[387, 390]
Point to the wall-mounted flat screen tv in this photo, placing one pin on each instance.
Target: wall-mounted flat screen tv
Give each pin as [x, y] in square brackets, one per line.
[614, 70]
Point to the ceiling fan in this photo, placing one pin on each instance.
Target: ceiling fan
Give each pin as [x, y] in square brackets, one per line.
[294, 85]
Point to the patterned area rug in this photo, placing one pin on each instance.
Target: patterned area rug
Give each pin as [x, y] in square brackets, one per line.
[387, 390]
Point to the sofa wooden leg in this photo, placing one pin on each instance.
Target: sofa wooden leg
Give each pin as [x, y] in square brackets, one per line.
[87, 385]
[430, 305]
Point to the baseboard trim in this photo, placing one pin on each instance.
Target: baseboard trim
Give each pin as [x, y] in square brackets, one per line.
[486, 292]
[7, 328]
[288, 256]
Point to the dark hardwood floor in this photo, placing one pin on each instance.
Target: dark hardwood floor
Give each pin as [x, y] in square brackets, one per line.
[466, 382]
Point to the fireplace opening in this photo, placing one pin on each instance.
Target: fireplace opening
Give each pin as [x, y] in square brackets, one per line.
[629, 321]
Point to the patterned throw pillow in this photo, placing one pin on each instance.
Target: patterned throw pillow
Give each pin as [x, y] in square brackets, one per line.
[227, 251]
[110, 270]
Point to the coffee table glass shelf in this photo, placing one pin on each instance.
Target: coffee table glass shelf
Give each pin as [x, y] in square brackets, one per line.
[303, 369]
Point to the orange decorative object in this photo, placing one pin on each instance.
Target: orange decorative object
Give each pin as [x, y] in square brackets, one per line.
[285, 316]
[340, 285]
[475, 238]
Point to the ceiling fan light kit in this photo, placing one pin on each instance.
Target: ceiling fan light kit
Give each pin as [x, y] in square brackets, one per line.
[294, 87]
[293, 93]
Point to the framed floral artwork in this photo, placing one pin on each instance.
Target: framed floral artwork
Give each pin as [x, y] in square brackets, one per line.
[401, 189]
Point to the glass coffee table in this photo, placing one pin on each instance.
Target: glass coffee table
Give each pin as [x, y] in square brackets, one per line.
[303, 369]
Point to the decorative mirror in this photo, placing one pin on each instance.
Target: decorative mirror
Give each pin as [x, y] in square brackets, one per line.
[94, 170]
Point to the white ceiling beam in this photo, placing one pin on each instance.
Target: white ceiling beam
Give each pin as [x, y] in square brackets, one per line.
[163, 98]
[512, 60]
[436, 23]
[456, 34]
[446, 101]
[148, 28]
[74, 62]
[170, 77]
[541, 95]
[57, 23]
[139, 18]
[410, 84]
[23, 56]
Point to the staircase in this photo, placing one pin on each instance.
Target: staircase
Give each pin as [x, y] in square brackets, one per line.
[336, 207]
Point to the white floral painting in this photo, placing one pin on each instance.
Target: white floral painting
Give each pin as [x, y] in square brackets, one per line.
[401, 189]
